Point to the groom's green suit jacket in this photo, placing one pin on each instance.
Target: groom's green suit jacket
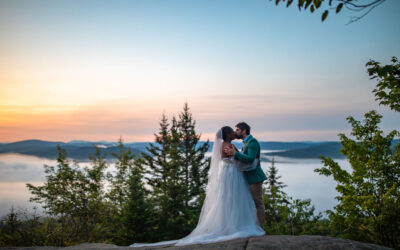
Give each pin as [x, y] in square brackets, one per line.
[251, 151]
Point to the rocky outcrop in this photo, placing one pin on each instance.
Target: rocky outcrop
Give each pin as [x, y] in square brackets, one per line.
[273, 242]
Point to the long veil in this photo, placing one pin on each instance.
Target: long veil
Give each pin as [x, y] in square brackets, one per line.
[213, 175]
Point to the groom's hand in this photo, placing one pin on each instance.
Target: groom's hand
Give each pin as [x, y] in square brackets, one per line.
[230, 151]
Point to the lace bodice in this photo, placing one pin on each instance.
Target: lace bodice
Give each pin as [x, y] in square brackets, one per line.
[228, 159]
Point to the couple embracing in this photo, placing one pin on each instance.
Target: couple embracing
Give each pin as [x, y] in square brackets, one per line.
[233, 207]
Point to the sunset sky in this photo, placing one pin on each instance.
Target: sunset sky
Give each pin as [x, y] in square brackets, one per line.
[98, 70]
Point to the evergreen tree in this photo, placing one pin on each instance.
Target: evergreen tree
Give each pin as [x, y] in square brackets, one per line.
[274, 186]
[285, 214]
[177, 174]
[156, 161]
[274, 196]
[163, 165]
[10, 229]
[98, 211]
[59, 194]
[136, 215]
[118, 181]
[275, 200]
[176, 188]
[119, 194]
[195, 166]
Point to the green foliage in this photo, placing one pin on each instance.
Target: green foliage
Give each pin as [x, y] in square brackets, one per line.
[369, 195]
[285, 215]
[195, 165]
[176, 170]
[137, 212]
[19, 228]
[118, 192]
[387, 91]
[336, 5]
[75, 197]
[167, 193]
[128, 200]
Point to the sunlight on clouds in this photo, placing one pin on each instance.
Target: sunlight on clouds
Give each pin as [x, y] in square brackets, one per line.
[136, 118]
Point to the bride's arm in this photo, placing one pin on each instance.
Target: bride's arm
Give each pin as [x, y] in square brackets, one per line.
[225, 146]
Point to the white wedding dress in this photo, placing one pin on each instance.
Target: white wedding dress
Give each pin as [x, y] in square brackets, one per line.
[228, 211]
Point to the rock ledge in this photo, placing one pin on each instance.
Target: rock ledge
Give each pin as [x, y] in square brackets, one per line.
[274, 242]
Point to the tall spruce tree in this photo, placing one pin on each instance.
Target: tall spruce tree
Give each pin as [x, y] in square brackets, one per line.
[163, 169]
[137, 213]
[155, 163]
[274, 186]
[275, 199]
[95, 178]
[285, 214]
[118, 180]
[195, 165]
[176, 171]
[176, 188]
[128, 198]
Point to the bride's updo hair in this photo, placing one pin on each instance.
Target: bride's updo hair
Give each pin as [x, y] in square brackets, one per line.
[226, 131]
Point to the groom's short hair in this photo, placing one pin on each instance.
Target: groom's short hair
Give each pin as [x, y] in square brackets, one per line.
[243, 126]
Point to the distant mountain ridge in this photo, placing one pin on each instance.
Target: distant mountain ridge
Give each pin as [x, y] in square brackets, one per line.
[315, 150]
[327, 149]
[80, 150]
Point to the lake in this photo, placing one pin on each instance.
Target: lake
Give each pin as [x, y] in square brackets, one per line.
[298, 174]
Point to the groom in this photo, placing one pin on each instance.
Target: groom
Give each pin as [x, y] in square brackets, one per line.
[255, 177]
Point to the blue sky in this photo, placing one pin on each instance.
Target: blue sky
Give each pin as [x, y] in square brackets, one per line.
[100, 69]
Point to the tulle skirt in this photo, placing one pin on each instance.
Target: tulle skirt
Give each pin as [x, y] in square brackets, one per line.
[228, 211]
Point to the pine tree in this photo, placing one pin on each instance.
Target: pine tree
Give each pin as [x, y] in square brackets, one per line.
[136, 214]
[59, 194]
[177, 174]
[285, 214]
[195, 165]
[274, 186]
[125, 199]
[274, 198]
[156, 160]
[163, 167]
[176, 186]
[118, 181]
[96, 211]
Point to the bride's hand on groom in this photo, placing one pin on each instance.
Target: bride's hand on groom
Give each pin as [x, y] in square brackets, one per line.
[230, 150]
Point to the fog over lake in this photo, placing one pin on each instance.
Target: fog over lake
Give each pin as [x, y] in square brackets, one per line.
[298, 174]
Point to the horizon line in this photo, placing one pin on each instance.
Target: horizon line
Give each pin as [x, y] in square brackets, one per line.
[100, 141]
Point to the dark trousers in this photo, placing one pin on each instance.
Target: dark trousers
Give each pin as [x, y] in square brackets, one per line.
[256, 192]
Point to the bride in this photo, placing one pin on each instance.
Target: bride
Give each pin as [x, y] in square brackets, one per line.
[228, 210]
